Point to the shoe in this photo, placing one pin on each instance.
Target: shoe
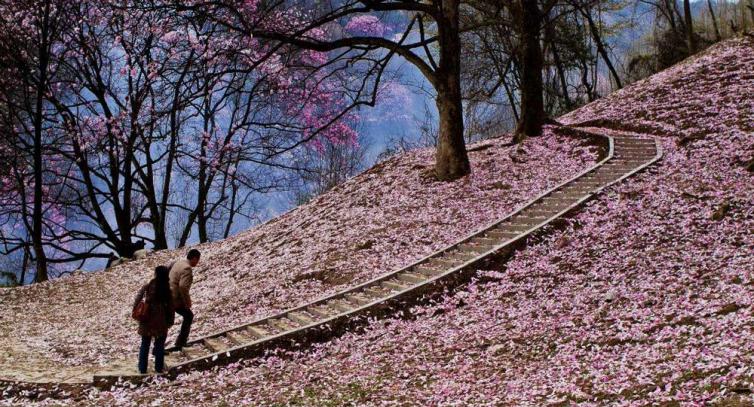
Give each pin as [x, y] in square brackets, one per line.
[175, 348]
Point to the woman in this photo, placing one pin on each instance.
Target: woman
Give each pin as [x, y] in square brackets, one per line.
[159, 318]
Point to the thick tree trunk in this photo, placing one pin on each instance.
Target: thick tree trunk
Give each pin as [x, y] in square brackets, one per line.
[689, 27]
[532, 100]
[451, 160]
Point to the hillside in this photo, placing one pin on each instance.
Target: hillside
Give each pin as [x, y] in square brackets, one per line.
[379, 221]
[645, 296]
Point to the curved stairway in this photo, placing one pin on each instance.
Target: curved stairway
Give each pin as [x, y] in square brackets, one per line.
[627, 154]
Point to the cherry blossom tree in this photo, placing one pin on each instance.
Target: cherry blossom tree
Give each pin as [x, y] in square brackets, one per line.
[30, 48]
[352, 39]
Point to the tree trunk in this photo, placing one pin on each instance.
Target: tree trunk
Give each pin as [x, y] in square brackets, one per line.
[24, 264]
[601, 47]
[532, 101]
[550, 38]
[451, 160]
[36, 232]
[718, 37]
[689, 27]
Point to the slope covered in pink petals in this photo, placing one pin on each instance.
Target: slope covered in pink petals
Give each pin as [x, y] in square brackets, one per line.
[644, 297]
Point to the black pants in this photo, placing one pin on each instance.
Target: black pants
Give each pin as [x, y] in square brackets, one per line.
[188, 318]
[158, 352]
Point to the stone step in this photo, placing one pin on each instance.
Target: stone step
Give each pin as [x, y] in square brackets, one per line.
[635, 145]
[291, 324]
[412, 278]
[637, 151]
[501, 234]
[515, 227]
[216, 345]
[239, 338]
[601, 179]
[195, 351]
[637, 157]
[272, 327]
[358, 299]
[341, 305]
[562, 203]
[275, 326]
[300, 318]
[257, 332]
[475, 248]
[615, 173]
[586, 183]
[486, 241]
[444, 262]
[628, 163]
[573, 197]
[394, 285]
[321, 311]
[518, 219]
[459, 256]
[175, 358]
[376, 291]
[633, 140]
[429, 270]
[575, 189]
[612, 167]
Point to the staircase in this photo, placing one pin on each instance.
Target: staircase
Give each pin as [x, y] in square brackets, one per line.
[331, 315]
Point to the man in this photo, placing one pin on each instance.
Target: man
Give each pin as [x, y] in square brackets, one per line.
[181, 277]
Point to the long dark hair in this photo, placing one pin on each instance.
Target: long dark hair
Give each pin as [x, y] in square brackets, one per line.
[161, 283]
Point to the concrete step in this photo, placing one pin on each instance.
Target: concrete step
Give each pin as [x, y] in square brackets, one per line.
[628, 163]
[238, 338]
[636, 147]
[341, 305]
[515, 227]
[501, 234]
[257, 332]
[394, 285]
[301, 318]
[175, 358]
[444, 262]
[486, 241]
[459, 256]
[611, 166]
[429, 270]
[195, 351]
[412, 278]
[355, 298]
[282, 324]
[632, 140]
[631, 156]
[272, 327]
[375, 291]
[475, 248]
[216, 345]
[568, 196]
[321, 311]
[562, 203]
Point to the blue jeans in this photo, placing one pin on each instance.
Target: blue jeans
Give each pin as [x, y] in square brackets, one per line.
[158, 352]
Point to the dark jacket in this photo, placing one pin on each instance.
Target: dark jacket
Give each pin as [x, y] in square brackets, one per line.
[161, 315]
